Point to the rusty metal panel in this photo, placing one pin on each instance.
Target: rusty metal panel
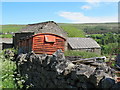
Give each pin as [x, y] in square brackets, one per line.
[49, 38]
[41, 45]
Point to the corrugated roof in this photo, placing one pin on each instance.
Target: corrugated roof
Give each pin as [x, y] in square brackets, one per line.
[6, 40]
[78, 43]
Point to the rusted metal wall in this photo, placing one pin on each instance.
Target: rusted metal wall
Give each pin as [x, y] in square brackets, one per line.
[41, 46]
[43, 43]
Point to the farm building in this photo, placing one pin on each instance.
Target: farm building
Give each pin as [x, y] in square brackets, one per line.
[83, 44]
[44, 27]
[42, 43]
[5, 43]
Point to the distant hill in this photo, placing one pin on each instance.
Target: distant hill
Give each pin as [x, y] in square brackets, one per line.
[10, 28]
[89, 28]
[95, 28]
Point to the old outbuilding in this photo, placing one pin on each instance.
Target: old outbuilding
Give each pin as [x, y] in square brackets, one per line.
[42, 43]
[43, 27]
[6, 43]
[83, 44]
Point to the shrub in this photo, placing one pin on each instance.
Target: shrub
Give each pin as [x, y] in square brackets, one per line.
[7, 72]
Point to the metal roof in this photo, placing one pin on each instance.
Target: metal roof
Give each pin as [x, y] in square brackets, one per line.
[79, 43]
[6, 40]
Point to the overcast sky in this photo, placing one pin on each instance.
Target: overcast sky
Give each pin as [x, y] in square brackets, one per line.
[60, 12]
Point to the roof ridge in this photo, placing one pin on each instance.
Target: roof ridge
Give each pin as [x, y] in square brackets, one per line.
[44, 23]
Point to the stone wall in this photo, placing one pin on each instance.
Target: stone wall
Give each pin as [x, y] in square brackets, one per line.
[55, 71]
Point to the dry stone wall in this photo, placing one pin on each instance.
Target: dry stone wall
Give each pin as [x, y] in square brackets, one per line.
[55, 71]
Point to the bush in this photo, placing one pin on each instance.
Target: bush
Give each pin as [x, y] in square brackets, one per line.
[111, 48]
[7, 72]
[83, 54]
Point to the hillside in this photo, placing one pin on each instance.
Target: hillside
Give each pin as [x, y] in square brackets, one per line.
[10, 28]
[95, 28]
[73, 30]
[6, 31]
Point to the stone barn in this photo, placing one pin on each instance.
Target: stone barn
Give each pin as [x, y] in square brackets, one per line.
[83, 44]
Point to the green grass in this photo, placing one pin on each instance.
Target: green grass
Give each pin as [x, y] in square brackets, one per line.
[6, 36]
[72, 31]
[81, 53]
[95, 28]
[10, 28]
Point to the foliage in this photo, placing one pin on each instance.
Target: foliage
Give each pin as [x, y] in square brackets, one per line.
[110, 48]
[10, 77]
[72, 31]
[83, 54]
[7, 72]
[108, 42]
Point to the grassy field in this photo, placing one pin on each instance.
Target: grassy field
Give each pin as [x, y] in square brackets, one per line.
[83, 54]
[6, 36]
[72, 31]
[109, 27]
[96, 28]
[10, 28]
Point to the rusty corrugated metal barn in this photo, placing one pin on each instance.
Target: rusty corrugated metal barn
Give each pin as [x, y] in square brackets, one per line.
[45, 37]
[42, 43]
[44, 27]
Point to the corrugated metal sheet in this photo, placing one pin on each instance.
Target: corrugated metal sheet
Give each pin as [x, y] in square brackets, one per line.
[54, 42]
[49, 38]
[40, 45]
[79, 43]
[6, 40]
